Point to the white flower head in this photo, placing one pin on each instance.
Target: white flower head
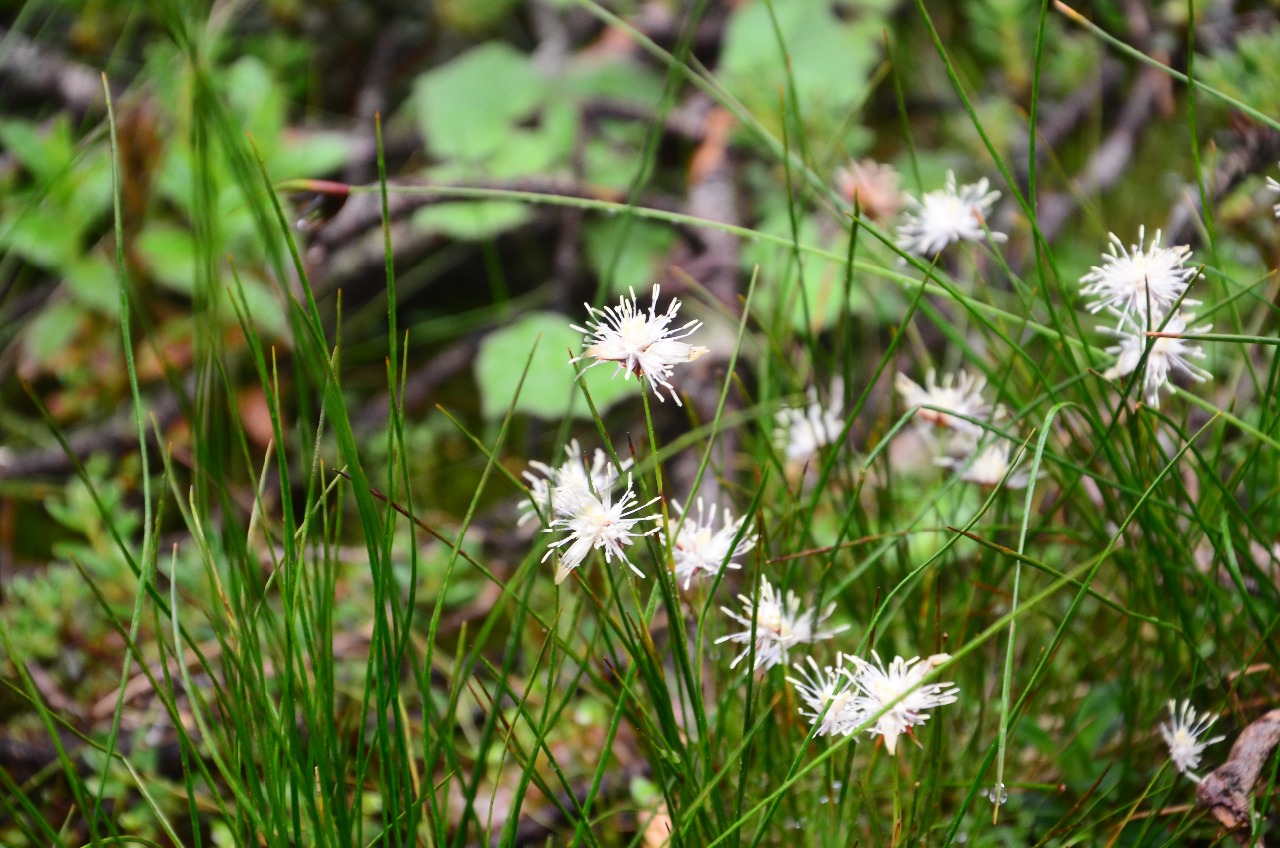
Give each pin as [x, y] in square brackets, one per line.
[958, 394]
[641, 344]
[831, 701]
[699, 548]
[879, 688]
[947, 215]
[1128, 280]
[597, 522]
[800, 432]
[779, 623]
[987, 467]
[872, 186]
[1167, 355]
[1274, 186]
[1182, 734]
[563, 487]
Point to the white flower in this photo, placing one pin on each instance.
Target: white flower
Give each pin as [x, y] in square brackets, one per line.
[800, 432]
[564, 487]
[1127, 280]
[958, 394]
[873, 187]
[830, 698]
[901, 683]
[947, 215]
[779, 623]
[598, 522]
[640, 344]
[1182, 735]
[699, 548]
[1274, 186]
[988, 468]
[1167, 354]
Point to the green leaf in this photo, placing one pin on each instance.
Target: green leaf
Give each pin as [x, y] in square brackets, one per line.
[52, 330]
[468, 106]
[170, 255]
[634, 250]
[550, 389]
[472, 220]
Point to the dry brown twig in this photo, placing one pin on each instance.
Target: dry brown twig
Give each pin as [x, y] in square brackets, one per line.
[1225, 790]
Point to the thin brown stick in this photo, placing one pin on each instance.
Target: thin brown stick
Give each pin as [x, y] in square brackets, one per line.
[1225, 790]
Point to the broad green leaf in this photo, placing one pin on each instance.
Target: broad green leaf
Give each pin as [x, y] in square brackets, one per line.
[472, 220]
[550, 390]
[468, 106]
[633, 250]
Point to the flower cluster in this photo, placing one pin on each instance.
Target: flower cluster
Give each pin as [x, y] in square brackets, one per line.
[699, 548]
[640, 343]
[856, 693]
[1143, 288]
[948, 215]
[801, 431]
[775, 624]
[597, 522]
[564, 488]
[1182, 734]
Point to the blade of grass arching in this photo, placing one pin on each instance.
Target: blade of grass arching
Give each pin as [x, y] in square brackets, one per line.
[903, 281]
[148, 556]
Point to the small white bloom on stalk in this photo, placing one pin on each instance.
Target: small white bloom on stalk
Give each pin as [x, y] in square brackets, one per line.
[989, 467]
[1274, 186]
[1167, 355]
[596, 522]
[830, 698]
[1130, 280]
[779, 623]
[879, 688]
[947, 215]
[958, 394]
[800, 432]
[564, 487]
[700, 548]
[1182, 734]
[641, 344]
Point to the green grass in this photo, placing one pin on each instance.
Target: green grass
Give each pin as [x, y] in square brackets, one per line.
[343, 639]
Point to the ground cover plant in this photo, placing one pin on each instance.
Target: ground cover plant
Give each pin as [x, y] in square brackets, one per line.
[647, 423]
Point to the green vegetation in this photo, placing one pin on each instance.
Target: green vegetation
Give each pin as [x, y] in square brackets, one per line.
[311, 534]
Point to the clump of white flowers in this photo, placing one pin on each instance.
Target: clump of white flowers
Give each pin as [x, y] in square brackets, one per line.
[897, 696]
[856, 693]
[640, 343]
[1167, 355]
[1139, 282]
[941, 405]
[1143, 288]
[801, 431]
[948, 215]
[988, 465]
[563, 487]
[699, 547]
[779, 622]
[597, 522]
[1182, 734]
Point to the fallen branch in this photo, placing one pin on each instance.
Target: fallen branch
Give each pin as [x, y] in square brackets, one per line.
[1225, 790]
